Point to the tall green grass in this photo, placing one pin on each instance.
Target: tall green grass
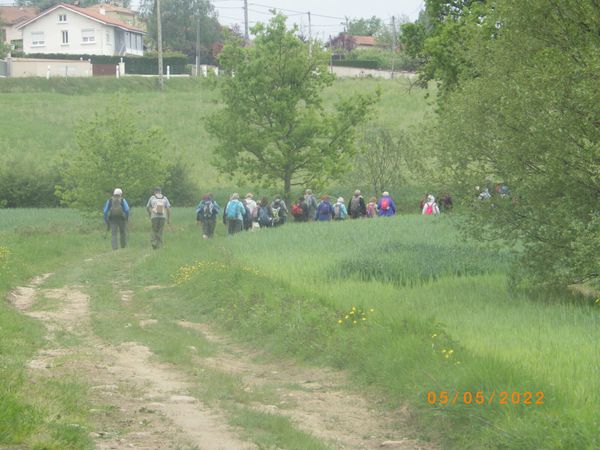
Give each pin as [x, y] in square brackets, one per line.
[431, 293]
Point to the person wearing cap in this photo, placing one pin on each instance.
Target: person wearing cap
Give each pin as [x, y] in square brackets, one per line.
[357, 207]
[311, 204]
[386, 205]
[159, 212]
[116, 215]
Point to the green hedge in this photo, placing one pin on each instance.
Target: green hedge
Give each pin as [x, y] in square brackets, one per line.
[137, 65]
[362, 64]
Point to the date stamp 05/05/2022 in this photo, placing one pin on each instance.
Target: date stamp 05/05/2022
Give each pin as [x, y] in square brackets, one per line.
[479, 398]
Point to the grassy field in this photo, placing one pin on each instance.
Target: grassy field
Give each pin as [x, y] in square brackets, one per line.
[434, 314]
[38, 117]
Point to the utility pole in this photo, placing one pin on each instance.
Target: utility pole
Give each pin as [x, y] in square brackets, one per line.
[161, 81]
[393, 44]
[246, 32]
[310, 42]
[198, 45]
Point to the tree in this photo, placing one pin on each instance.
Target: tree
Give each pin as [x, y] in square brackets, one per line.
[382, 160]
[181, 22]
[530, 120]
[364, 27]
[437, 39]
[273, 127]
[112, 152]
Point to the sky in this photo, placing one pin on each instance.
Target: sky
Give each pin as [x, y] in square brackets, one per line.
[231, 12]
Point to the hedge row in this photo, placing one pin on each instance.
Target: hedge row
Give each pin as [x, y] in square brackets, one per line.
[137, 65]
[362, 64]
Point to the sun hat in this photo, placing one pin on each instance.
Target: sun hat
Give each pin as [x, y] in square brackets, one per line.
[340, 200]
[386, 193]
[118, 192]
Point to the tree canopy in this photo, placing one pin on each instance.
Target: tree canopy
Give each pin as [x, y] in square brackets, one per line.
[273, 128]
[530, 119]
[364, 27]
[181, 21]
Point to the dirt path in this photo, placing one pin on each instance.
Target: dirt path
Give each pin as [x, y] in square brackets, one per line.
[141, 403]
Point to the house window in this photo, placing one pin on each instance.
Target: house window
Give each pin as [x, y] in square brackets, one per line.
[37, 39]
[88, 36]
[65, 36]
[62, 18]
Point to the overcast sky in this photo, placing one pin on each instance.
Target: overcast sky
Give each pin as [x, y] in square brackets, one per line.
[231, 12]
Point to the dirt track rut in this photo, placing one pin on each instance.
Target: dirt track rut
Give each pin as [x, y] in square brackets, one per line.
[141, 403]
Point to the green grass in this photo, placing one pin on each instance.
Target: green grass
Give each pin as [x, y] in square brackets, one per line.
[38, 118]
[423, 292]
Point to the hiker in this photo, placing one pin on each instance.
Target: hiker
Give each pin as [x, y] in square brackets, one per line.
[324, 210]
[279, 210]
[311, 203]
[339, 210]
[386, 205]
[430, 207]
[247, 216]
[357, 207]
[251, 204]
[446, 202]
[233, 215]
[264, 213]
[372, 208]
[116, 215]
[159, 212]
[300, 210]
[207, 212]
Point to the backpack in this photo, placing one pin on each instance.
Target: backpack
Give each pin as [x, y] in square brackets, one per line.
[232, 210]
[159, 205]
[263, 216]
[207, 211]
[276, 212]
[429, 209]
[337, 211]
[385, 203]
[355, 206]
[371, 210]
[297, 210]
[116, 209]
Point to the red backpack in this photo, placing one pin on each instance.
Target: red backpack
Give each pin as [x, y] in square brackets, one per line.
[385, 203]
[297, 210]
[429, 209]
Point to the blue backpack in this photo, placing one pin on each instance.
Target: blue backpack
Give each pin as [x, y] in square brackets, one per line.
[232, 209]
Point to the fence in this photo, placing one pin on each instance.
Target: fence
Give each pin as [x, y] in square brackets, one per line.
[3, 68]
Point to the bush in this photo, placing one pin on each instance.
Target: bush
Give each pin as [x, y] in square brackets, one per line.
[24, 184]
[363, 64]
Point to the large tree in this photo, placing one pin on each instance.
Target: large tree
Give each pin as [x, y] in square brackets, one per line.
[530, 119]
[185, 23]
[273, 127]
[364, 27]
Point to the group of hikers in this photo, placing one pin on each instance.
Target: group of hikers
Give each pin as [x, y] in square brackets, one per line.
[246, 214]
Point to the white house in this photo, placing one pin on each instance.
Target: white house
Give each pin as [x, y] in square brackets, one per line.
[69, 29]
[10, 18]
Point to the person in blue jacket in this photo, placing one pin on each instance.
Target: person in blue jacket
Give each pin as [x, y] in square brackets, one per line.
[386, 205]
[116, 215]
[207, 212]
[324, 210]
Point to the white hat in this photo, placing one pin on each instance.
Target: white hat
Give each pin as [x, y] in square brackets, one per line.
[430, 198]
[341, 200]
[386, 193]
[118, 192]
[357, 192]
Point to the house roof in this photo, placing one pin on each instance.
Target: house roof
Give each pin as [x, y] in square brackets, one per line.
[12, 15]
[112, 8]
[364, 40]
[89, 13]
